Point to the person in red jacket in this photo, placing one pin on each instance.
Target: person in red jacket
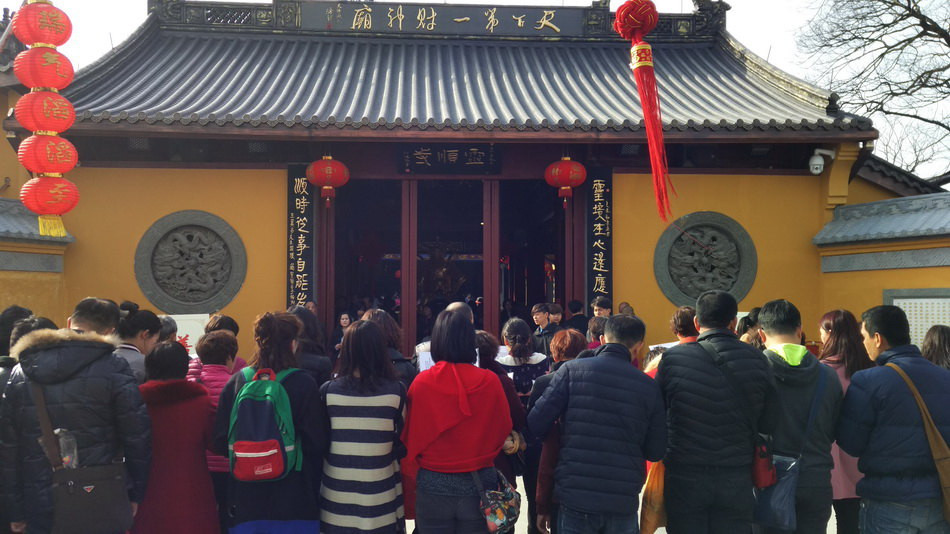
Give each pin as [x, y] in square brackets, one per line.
[180, 497]
[456, 424]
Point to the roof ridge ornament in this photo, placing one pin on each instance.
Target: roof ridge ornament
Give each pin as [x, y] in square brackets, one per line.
[711, 14]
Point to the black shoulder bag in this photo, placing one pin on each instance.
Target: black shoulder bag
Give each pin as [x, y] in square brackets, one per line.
[86, 500]
[763, 470]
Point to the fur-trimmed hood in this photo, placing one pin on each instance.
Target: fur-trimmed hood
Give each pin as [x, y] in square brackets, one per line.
[53, 356]
[159, 392]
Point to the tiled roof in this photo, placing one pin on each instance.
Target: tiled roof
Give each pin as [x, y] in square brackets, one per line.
[19, 224]
[270, 80]
[889, 176]
[922, 216]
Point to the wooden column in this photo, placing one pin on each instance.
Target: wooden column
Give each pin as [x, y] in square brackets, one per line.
[326, 261]
[409, 264]
[491, 252]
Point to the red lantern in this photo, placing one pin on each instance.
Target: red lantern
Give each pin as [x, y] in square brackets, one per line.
[45, 111]
[47, 154]
[41, 22]
[43, 66]
[326, 174]
[565, 175]
[49, 197]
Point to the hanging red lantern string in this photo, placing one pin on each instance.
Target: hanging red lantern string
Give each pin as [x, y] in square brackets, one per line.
[45, 112]
[327, 174]
[634, 20]
[565, 174]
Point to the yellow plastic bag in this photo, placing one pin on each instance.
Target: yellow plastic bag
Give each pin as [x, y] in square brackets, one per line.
[652, 509]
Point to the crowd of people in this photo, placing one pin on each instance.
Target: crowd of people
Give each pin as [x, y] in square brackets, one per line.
[572, 409]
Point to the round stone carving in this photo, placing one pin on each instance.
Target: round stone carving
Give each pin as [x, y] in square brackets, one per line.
[190, 262]
[702, 251]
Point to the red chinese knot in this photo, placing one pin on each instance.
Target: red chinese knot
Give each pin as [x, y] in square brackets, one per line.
[41, 23]
[327, 174]
[565, 175]
[43, 67]
[47, 154]
[49, 195]
[635, 19]
[45, 111]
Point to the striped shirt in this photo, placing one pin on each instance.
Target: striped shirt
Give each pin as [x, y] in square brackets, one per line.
[362, 488]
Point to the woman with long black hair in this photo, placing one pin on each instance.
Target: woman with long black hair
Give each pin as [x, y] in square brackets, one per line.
[843, 350]
[362, 486]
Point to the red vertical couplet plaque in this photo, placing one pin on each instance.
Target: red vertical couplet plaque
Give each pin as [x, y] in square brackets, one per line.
[635, 19]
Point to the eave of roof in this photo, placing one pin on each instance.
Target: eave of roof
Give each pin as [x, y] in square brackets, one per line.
[19, 224]
[166, 81]
[893, 178]
[917, 217]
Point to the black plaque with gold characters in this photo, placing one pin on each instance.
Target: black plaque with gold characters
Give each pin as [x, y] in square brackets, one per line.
[450, 159]
[599, 223]
[300, 233]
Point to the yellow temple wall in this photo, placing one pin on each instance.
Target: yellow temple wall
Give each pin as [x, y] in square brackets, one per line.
[119, 205]
[781, 214]
[861, 191]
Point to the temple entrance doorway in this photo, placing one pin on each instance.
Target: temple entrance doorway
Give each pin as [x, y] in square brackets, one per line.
[413, 246]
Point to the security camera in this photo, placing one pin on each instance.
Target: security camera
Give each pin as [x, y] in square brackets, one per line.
[816, 163]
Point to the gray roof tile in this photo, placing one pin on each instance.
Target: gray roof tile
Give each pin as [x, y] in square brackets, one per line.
[19, 224]
[922, 216]
[333, 82]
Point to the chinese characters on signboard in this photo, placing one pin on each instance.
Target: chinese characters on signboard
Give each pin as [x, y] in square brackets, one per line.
[599, 234]
[300, 237]
[451, 159]
[371, 17]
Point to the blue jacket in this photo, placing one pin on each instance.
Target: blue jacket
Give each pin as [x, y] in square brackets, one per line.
[613, 419]
[881, 425]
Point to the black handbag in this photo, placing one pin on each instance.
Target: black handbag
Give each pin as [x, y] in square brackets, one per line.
[775, 505]
[86, 500]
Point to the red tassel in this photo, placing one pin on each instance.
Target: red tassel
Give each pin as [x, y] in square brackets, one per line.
[635, 19]
[641, 61]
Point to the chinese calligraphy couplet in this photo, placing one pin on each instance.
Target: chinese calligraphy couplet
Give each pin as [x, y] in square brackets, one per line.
[599, 257]
[300, 237]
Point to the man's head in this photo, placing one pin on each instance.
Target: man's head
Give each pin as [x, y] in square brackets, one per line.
[575, 306]
[884, 327]
[556, 312]
[601, 306]
[627, 330]
[781, 322]
[462, 308]
[540, 314]
[716, 309]
[95, 315]
[169, 329]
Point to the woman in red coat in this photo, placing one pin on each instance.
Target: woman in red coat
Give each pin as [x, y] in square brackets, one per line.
[457, 422]
[180, 497]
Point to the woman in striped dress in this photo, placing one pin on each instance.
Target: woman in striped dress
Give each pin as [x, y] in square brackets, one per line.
[361, 489]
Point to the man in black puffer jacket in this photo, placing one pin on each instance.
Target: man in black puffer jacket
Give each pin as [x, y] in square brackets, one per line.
[612, 420]
[709, 456]
[90, 392]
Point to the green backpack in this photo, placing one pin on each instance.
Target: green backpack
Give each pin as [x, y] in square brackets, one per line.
[262, 442]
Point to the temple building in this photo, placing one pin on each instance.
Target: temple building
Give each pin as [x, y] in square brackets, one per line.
[194, 135]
